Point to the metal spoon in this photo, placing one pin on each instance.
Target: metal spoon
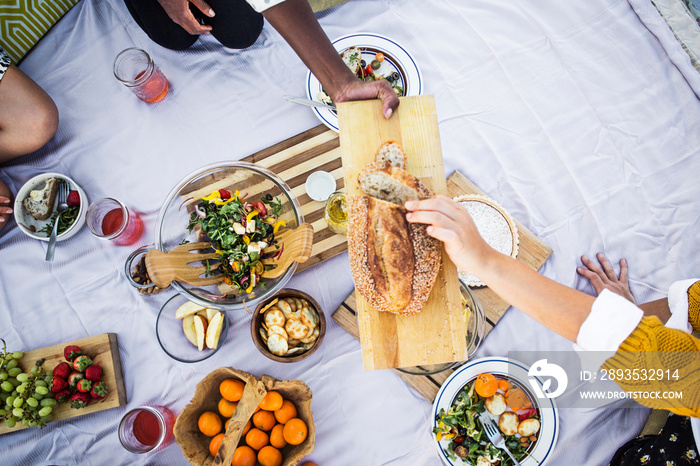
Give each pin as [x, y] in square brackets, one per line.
[63, 191]
[307, 102]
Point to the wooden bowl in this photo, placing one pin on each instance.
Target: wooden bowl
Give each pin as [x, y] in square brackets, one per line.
[195, 445]
[257, 320]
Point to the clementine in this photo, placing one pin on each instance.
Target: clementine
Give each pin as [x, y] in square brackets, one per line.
[209, 423]
[295, 431]
[486, 385]
[286, 412]
[215, 444]
[272, 401]
[264, 420]
[256, 438]
[243, 456]
[277, 437]
[226, 408]
[232, 389]
[269, 456]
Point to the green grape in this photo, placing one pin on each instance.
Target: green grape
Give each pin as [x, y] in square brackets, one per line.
[17, 412]
[32, 423]
[10, 422]
[23, 377]
[49, 402]
[49, 376]
[40, 383]
[3, 396]
[42, 390]
[15, 383]
[3, 375]
[7, 386]
[34, 370]
[17, 355]
[3, 412]
[10, 400]
[18, 402]
[46, 419]
[38, 396]
[45, 411]
[32, 402]
[14, 372]
[21, 389]
[7, 358]
[12, 364]
[25, 422]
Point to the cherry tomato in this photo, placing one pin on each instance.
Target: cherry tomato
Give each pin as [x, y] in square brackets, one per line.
[527, 414]
[261, 208]
[224, 194]
[369, 71]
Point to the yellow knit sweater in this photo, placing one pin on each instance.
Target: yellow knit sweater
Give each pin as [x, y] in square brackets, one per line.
[671, 354]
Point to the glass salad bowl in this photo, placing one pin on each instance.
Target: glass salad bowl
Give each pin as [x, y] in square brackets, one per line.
[250, 183]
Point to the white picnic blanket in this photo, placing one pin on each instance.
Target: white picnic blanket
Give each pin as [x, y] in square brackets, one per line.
[575, 116]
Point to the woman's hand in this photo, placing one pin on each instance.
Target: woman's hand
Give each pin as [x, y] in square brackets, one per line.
[451, 223]
[604, 277]
[364, 90]
[179, 11]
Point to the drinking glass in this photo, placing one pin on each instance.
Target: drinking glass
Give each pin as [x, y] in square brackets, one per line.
[112, 220]
[146, 428]
[135, 69]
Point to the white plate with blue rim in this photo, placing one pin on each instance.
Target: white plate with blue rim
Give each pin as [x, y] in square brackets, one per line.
[397, 63]
[516, 373]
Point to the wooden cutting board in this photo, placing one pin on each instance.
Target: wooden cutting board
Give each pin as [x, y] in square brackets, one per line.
[103, 350]
[532, 252]
[436, 334]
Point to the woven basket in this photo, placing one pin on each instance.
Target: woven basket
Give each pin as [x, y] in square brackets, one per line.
[195, 445]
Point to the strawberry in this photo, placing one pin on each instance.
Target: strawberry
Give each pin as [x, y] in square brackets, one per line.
[84, 385]
[81, 363]
[527, 414]
[58, 384]
[63, 396]
[73, 199]
[79, 400]
[99, 390]
[63, 370]
[71, 352]
[74, 378]
[93, 373]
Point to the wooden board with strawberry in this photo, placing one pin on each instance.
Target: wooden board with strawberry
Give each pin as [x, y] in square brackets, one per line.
[87, 374]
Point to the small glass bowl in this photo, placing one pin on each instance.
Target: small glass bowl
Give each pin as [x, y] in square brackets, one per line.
[171, 335]
[474, 337]
[133, 425]
[132, 274]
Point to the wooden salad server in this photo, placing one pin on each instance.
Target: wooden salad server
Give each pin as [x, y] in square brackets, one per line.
[164, 267]
[295, 246]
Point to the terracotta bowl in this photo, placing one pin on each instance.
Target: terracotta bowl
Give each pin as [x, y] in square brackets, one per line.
[257, 322]
[195, 445]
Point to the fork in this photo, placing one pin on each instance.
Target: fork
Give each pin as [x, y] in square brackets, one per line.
[63, 191]
[494, 435]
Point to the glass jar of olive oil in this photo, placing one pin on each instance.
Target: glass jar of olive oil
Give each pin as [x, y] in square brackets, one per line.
[336, 213]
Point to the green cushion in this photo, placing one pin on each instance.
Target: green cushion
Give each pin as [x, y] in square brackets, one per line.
[24, 22]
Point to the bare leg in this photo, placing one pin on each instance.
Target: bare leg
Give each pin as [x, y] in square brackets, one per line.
[5, 203]
[604, 277]
[28, 116]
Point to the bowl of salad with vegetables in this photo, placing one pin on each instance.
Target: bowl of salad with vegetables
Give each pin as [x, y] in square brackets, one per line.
[239, 208]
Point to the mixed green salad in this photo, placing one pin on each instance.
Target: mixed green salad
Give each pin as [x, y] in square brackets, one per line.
[64, 221]
[461, 425]
[240, 231]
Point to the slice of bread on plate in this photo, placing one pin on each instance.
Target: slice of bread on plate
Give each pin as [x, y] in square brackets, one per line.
[352, 56]
[39, 203]
[394, 263]
[392, 152]
[392, 184]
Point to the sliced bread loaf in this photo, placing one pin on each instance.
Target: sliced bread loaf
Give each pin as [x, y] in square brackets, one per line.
[39, 204]
[388, 183]
[394, 263]
[392, 152]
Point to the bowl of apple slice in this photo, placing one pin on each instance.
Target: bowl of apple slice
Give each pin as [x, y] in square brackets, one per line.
[189, 332]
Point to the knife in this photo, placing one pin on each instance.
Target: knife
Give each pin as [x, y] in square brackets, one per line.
[307, 102]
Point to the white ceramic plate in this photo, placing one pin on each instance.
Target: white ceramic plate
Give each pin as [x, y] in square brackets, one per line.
[396, 58]
[513, 371]
[26, 221]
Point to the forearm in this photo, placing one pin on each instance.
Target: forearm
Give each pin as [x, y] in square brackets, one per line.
[558, 307]
[296, 23]
[658, 308]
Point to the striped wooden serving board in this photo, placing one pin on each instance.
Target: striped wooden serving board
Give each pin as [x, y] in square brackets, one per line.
[532, 252]
[294, 160]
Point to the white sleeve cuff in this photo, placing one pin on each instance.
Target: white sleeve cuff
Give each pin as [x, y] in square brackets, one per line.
[262, 5]
[611, 321]
[678, 304]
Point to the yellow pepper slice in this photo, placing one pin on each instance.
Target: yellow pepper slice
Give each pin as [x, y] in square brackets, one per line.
[249, 289]
[279, 224]
[252, 214]
[246, 240]
[438, 436]
[220, 202]
[211, 196]
[236, 193]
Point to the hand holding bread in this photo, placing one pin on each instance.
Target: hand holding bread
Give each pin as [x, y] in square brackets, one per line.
[451, 223]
